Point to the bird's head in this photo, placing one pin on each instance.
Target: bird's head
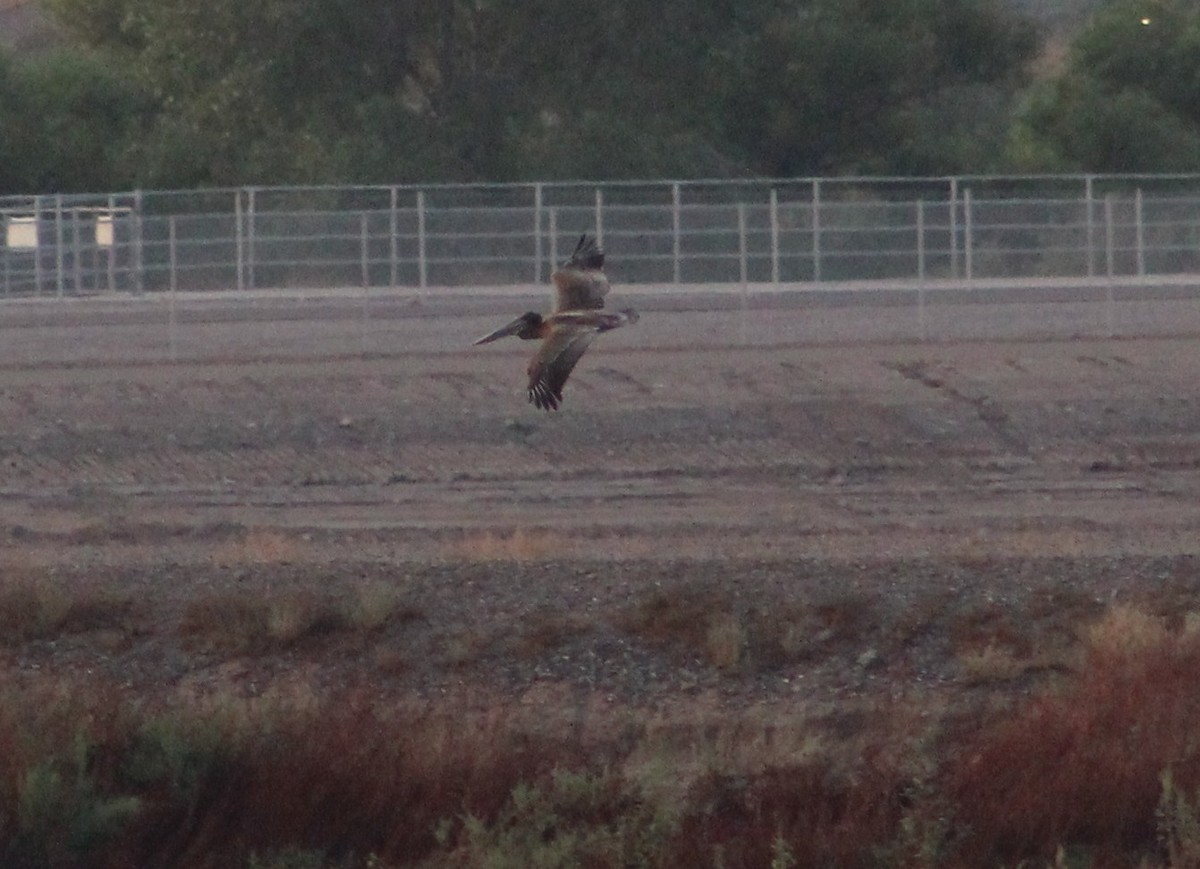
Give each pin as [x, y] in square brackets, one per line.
[525, 326]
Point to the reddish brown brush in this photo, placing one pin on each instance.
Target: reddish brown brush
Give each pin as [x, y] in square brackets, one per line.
[88, 777]
[350, 781]
[821, 817]
[1082, 766]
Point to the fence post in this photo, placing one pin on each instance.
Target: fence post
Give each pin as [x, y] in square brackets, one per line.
[1109, 232]
[173, 288]
[363, 249]
[676, 221]
[37, 246]
[537, 233]
[139, 257]
[743, 264]
[1110, 265]
[816, 229]
[1089, 223]
[921, 269]
[773, 204]
[94, 247]
[422, 261]
[552, 231]
[365, 262]
[239, 239]
[250, 236]
[393, 242]
[76, 253]
[112, 248]
[1140, 230]
[743, 268]
[954, 227]
[920, 205]
[968, 236]
[59, 278]
[600, 217]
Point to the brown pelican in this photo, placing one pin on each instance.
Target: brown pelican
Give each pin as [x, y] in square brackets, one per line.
[580, 287]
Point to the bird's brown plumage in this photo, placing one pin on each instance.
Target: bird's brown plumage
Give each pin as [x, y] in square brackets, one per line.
[580, 287]
[554, 361]
[581, 284]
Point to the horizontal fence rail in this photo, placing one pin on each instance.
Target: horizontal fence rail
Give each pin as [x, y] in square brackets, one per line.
[704, 232]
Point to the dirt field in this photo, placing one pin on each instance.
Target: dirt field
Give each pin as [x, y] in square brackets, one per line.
[864, 516]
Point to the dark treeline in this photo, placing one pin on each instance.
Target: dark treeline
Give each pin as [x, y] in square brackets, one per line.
[172, 93]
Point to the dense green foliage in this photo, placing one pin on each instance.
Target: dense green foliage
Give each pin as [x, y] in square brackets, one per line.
[878, 86]
[1127, 100]
[329, 90]
[68, 119]
[169, 93]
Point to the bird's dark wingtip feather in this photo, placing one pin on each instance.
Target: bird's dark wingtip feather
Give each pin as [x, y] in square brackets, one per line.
[543, 399]
[588, 253]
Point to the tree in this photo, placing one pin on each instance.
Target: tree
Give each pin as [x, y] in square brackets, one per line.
[878, 86]
[302, 91]
[18, 144]
[67, 118]
[329, 90]
[1128, 99]
[265, 92]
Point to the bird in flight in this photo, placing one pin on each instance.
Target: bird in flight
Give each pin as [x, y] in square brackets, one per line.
[579, 290]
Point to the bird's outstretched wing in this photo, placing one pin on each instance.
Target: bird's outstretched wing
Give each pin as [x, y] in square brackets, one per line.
[553, 364]
[581, 285]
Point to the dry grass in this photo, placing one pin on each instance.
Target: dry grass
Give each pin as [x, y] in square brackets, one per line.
[1126, 634]
[296, 615]
[1082, 765]
[992, 665]
[261, 546]
[695, 624]
[1026, 542]
[520, 545]
[31, 607]
[545, 630]
[235, 623]
[988, 624]
[34, 606]
[706, 624]
[225, 623]
[372, 604]
[821, 817]
[725, 641]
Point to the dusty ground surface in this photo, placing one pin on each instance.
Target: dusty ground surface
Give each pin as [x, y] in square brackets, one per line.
[794, 523]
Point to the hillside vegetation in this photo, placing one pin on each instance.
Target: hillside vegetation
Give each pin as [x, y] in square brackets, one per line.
[165, 93]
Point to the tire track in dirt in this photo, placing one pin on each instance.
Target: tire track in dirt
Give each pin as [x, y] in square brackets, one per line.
[612, 375]
[986, 408]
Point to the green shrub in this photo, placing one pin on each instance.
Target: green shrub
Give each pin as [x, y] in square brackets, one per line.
[576, 818]
[63, 813]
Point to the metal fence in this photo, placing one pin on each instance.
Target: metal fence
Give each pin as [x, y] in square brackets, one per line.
[814, 230]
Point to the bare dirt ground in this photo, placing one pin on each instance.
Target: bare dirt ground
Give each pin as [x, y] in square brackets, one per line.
[865, 518]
